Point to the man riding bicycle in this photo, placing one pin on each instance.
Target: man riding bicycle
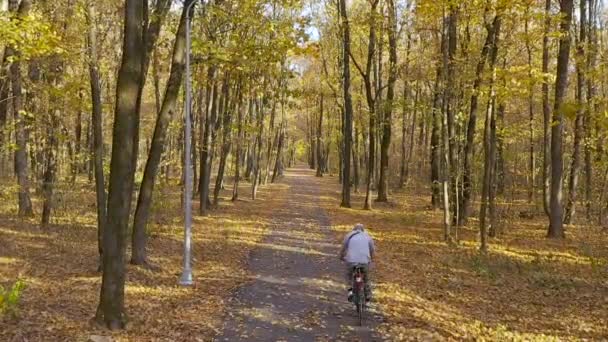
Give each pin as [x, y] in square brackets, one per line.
[357, 249]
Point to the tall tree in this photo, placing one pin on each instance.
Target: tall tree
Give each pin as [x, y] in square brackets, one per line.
[111, 309]
[489, 145]
[467, 185]
[387, 111]
[21, 166]
[450, 180]
[167, 110]
[581, 114]
[151, 31]
[531, 96]
[546, 112]
[556, 226]
[96, 122]
[319, 135]
[348, 104]
[371, 98]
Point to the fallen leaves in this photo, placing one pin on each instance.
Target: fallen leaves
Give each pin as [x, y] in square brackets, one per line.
[58, 267]
[527, 288]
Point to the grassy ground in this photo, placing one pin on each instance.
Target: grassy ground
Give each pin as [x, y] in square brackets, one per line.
[58, 266]
[527, 288]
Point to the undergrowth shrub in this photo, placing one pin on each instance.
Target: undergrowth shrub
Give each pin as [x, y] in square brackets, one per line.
[10, 298]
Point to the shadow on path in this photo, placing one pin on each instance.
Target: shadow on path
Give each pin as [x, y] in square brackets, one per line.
[298, 292]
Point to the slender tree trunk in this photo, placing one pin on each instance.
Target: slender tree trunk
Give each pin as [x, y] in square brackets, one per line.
[226, 146]
[446, 169]
[204, 127]
[97, 127]
[50, 167]
[111, 308]
[257, 153]
[581, 114]
[531, 95]
[206, 148]
[488, 193]
[404, 117]
[406, 91]
[467, 185]
[546, 112]
[348, 106]
[77, 165]
[412, 134]
[156, 81]
[239, 148]
[146, 190]
[591, 106]
[437, 105]
[4, 101]
[556, 227]
[194, 114]
[319, 144]
[450, 91]
[356, 159]
[21, 169]
[387, 121]
[271, 139]
[278, 165]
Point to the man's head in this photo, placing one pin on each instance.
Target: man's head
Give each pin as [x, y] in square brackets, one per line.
[359, 227]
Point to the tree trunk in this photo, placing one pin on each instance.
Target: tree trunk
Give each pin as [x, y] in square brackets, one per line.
[355, 159]
[257, 153]
[97, 127]
[556, 227]
[226, 146]
[152, 27]
[467, 186]
[239, 148]
[206, 149]
[581, 114]
[410, 152]
[488, 194]
[146, 190]
[546, 112]
[591, 106]
[387, 121]
[450, 85]
[4, 100]
[436, 201]
[531, 95]
[319, 134]
[271, 139]
[348, 106]
[111, 308]
[21, 169]
[50, 167]
[278, 165]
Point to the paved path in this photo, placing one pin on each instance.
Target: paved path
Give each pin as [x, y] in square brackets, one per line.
[298, 293]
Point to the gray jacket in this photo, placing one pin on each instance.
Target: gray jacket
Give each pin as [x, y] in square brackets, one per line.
[357, 247]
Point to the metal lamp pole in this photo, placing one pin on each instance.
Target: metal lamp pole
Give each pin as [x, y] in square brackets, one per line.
[186, 278]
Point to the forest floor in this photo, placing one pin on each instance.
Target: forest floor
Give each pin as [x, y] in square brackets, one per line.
[526, 288]
[270, 263]
[59, 265]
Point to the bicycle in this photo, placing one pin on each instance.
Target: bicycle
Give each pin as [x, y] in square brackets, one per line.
[359, 296]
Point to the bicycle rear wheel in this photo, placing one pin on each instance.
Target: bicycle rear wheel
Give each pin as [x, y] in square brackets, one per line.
[360, 306]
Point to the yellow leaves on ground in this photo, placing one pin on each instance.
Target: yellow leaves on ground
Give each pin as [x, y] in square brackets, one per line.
[59, 266]
[527, 288]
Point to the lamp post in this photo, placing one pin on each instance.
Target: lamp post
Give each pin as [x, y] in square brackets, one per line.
[186, 278]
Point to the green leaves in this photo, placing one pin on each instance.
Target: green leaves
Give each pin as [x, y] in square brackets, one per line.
[9, 299]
